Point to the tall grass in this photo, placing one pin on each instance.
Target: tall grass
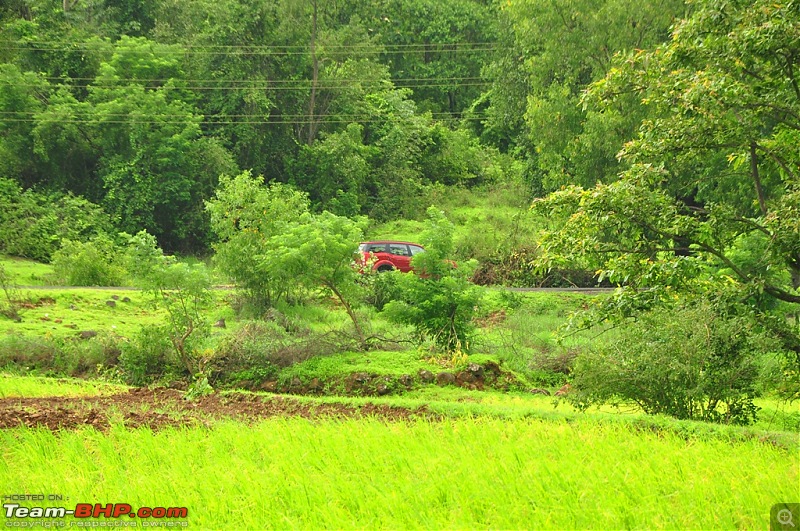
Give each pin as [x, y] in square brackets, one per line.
[35, 386]
[466, 473]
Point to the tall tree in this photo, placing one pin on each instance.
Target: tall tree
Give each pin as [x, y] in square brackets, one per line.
[710, 202]
[555, 49]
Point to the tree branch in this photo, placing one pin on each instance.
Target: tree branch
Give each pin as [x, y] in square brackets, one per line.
[762, 202]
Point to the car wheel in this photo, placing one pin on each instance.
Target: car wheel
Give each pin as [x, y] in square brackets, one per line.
[384, 268]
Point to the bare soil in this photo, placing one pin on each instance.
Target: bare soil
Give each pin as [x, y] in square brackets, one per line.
[163, 408]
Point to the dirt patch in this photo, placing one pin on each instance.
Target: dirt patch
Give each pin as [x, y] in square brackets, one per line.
[161, 408]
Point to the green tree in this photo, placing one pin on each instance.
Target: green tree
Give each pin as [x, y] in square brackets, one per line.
[555, 49]
[155, 165]
[245, 216]
[714, 175]
[317, 251]
[21, 96]
[437, 299]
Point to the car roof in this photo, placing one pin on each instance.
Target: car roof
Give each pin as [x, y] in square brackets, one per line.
[391, 241]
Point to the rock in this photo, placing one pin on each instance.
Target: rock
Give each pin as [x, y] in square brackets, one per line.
[111, 304]
[476, 370]
[426, 376]
[115, 297]
[382, 389]
[315, 386]
[220, 323]
[565, 390]
[58, 321]
[269, 387]
[297, 382]
[361, 377]
[406, 380]
[445, 378]
[87, 334]
[492, 367]
[71, 325]
[540, 392]
[465, 377]
[126, 299]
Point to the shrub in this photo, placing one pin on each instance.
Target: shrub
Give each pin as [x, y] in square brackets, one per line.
[380, 288]
[439, 302]
[245, 215]
[92, 263]
[258, 350]
[147, 356]
[59, 356]
[30, 353]
[78, 357]
[33, 224]
[695, 362]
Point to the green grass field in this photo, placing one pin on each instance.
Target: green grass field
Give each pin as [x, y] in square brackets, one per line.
[508, 460]
[455, 474]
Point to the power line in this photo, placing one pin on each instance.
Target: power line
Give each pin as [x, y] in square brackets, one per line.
[280, 81]
[218, 122]
[260, 46]
[164, 115]
[320, 86]
[368, 49]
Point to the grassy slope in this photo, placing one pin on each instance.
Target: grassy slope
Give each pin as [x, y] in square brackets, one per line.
[23, 272]
[485, 219]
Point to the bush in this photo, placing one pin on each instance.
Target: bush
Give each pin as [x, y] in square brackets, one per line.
[258, 350]
[695, 362]
[439, 302]
[93, 263]
[148, 356]
[69, 357]
[33, 224]
[245, 216]
[380, 288]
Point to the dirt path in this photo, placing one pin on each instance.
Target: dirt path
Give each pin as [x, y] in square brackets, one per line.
[161, 408]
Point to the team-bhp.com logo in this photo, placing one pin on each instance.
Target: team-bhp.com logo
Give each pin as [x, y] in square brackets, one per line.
[88, 510]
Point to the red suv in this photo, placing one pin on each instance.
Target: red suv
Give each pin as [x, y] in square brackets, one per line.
[386, 255]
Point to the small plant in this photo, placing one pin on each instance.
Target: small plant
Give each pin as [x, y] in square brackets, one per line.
[440, 302]
[199, 388]
[9, 305]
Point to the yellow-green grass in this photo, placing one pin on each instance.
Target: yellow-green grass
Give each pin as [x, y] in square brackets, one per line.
[366, 474]
[24, 272]
[778, 420]
[81, 309]
[35, 386]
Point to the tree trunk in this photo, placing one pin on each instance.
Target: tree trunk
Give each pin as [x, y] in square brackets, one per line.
[349, 309]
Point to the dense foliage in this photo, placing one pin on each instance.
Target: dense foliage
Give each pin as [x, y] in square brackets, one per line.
[657, 141]
[140, 106]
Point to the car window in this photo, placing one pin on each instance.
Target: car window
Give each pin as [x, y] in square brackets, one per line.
[399, 249]
[373, 248]
[416, 249]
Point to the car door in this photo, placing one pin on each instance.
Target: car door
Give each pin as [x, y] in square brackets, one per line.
[401, 256]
